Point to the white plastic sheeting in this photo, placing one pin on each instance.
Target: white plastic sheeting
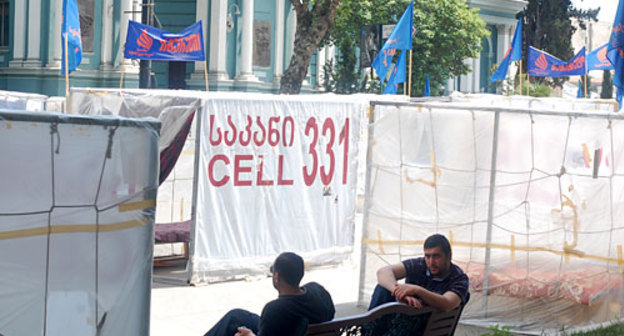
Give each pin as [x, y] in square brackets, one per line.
[22, 101]
[562, 104]
[549, 249]
[172, 108]
[276, 173]
[77, 197]
[239, 229]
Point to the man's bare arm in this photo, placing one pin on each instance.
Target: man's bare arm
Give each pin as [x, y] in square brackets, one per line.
[446, 302]
[387, 276]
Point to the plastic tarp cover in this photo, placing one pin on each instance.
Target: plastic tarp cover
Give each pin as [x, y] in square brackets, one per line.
[77, 197]
[22, 101]
[172, 108]
[549, 251]
[276, 173]
[567, 104]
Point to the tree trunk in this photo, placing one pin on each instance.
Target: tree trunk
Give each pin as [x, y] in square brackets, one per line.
[312, 26]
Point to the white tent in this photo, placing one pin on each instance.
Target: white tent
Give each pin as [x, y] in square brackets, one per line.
[77, 197]
[531, 200]
[271, 174]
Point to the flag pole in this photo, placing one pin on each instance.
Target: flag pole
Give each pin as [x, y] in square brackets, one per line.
[123, 68]
[66, 75]
[409, 87]
[586, 77]
[520, 77]
[206, 74]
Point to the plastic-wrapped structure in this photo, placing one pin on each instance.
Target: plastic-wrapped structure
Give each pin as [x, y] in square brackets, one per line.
[531, 200]
[77, 199]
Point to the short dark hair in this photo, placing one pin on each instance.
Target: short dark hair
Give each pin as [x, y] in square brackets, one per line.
[290, 268]
[438, 240]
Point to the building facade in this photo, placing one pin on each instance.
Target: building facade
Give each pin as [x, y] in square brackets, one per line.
[500, 17]
[248, 45]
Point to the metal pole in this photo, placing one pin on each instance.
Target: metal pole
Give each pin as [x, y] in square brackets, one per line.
[191, 247]
[488, 237]
[145, 66]
[367, 200]
[409, 86]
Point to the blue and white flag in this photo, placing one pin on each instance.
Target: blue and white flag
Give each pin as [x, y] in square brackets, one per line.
[149, 43]
[70, 28]
[615, 51]
[542, 64]
[597, 59]
[400, 39]
[514, 53]
[397, 76]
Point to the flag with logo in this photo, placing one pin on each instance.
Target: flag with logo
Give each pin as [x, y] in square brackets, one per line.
[542, 64]
[397, 76]
[400, 39]
[70, 29]
[615, 51]
[514, 53]
[149, 43]
[597, 59]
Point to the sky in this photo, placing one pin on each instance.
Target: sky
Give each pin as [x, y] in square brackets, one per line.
[607, 8]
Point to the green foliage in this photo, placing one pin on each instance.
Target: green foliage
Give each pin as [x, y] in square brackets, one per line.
[499, 331]
[607, 85]
[447, 32]
[613, 330]
[547, 27]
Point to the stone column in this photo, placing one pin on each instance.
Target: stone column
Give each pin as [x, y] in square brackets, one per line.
[127, 13]
[56, 12]
[502, 41]
[246, 73]
[19, 34]
[218, 27]
[320, 64]
[34, 34]
[476, 75]
[107, 35]
[278, 65]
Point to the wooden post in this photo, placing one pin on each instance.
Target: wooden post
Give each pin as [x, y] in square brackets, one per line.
[66, 73]
[520, 77]
[206, 74]
[586, 78]
[123, 68]
[409, 86]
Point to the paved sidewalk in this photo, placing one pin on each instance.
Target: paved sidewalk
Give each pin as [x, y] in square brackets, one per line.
[181, 310]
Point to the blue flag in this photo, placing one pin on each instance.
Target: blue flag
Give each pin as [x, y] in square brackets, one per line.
[400, 39]
[597, 59]
[579, 92]
[514, 53]
[70, 27]
[541, 64]
[615, 51]
[427, 87]
[149, 43]
[397, 76]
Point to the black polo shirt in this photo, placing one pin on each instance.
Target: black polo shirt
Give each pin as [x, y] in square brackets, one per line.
[418, 274]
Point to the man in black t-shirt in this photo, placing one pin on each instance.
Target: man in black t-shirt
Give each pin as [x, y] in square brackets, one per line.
[431, 280]
[289, 313]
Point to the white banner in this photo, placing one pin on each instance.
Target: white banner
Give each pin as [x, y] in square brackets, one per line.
[275, 174]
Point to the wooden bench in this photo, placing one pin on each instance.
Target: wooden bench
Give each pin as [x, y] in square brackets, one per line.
[438, 323]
